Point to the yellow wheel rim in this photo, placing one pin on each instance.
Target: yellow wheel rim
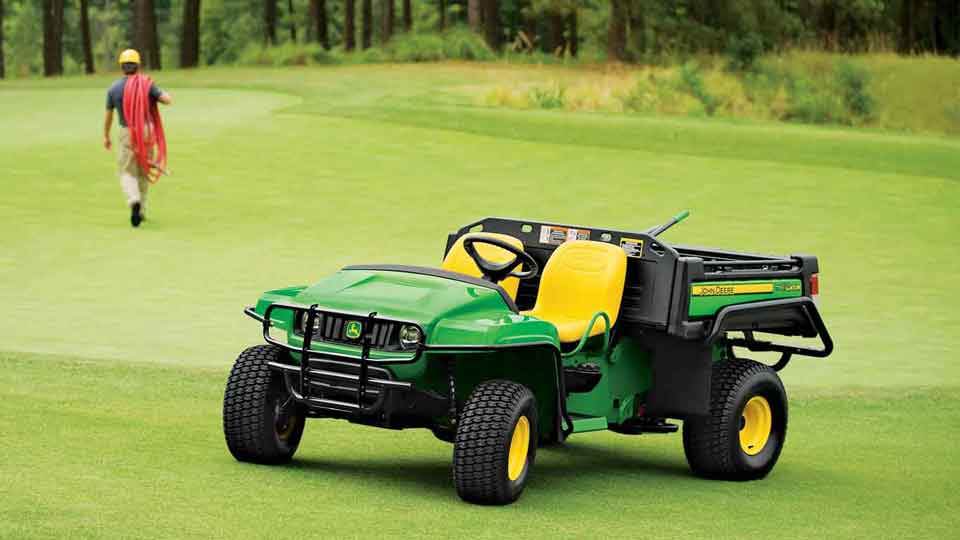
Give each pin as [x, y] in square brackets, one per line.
[519, 446]
[756, 420]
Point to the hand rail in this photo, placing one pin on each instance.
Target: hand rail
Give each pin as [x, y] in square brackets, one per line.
[586, 334]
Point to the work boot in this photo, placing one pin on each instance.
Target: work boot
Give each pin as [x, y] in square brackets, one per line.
[135, 217]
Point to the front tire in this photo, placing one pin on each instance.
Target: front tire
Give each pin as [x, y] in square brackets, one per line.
[496, 443]
[743, 435]
[261, 422]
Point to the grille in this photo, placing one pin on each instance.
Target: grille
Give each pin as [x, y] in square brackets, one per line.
[332, 328]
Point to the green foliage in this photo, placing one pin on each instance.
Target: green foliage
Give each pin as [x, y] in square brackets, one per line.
[743, 51]
[415, 47]
[853, 80]
[548, 97]
[691, 80]
[462, 44]
[285, 54]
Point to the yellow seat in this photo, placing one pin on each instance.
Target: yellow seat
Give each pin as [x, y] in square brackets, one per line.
[581, 278]
[457, 259]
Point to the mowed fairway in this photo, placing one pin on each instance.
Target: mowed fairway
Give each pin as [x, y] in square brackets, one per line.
[116, 342]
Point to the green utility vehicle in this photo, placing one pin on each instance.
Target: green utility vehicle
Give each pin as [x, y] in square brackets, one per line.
[528, 333]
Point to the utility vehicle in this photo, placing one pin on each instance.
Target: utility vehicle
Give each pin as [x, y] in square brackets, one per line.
[529, 333]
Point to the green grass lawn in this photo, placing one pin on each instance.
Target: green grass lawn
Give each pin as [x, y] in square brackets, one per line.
[117, 341]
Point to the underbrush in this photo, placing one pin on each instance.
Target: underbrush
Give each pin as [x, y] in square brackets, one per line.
[833, 90]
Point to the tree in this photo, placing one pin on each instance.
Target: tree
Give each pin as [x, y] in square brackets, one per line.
[270, 22]
[52, 37]
[389, 15]
[318, 15]
[293, 21]
[491, 23]
[349, 38]
[555, 44]
[3, 69]
[190, 34]
[145, 33]
[366, 19]
[617, 30]
[407, 16]
[442, 21]
[474, 18]
[85, 37]
[573, 40]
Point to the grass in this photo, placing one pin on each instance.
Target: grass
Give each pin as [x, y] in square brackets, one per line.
[118, 340]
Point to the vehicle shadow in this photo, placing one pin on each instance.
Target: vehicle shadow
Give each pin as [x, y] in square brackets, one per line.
[565, 464]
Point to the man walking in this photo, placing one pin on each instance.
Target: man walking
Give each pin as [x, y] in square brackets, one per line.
[134, 179]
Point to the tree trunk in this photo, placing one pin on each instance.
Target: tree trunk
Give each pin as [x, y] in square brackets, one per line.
[190, 34]
[270, 22]
[349, 40]
[367, 20]
[293, 22]
[145, 33]
[573, 40]
[907, 36]
[389, 15]
[491, 23]
[617, 30]
[318, 15]
[85, 37]
[474, 10]
[530, 27]
[442, 22]
[3, 68]
[52, 37]
[555, 44]
[407, 16]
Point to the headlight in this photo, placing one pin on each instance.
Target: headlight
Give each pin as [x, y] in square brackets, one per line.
[317, 320]
[410, 336]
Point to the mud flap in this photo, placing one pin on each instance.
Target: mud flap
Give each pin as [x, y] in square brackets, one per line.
[681, 377]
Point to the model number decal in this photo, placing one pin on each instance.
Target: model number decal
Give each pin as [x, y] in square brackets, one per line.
[727, 290]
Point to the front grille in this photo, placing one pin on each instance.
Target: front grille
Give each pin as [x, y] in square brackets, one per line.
[332, 328]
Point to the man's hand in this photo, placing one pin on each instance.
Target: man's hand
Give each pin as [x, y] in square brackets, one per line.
[106, 143]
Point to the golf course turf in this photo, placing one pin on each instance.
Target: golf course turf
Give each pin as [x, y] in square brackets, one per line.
[117, 341]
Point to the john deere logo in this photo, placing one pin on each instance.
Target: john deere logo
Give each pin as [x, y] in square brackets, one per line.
[353, 330]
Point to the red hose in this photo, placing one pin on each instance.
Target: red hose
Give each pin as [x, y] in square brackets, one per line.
[146, 128]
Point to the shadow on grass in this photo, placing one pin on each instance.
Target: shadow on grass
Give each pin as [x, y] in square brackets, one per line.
[571, 465]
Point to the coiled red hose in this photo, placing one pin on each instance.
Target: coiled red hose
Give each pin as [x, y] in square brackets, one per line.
[145, 126]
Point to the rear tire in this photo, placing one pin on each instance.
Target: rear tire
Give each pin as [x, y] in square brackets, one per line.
[743, 435]
[261, 422]
[496, 443]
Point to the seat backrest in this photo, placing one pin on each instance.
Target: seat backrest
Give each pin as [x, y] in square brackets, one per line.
[457, 259]
[581, 278]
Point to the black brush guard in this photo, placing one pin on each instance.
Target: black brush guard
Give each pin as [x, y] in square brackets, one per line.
[336, 382]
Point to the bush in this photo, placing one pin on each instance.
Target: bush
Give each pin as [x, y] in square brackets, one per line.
[462, 44]
[691, 80]
[548, 97]
[743, 52]
[417, 48]
[287, 54]
[852, 80]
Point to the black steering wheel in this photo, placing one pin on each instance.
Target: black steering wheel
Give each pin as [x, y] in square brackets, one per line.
[497, 272]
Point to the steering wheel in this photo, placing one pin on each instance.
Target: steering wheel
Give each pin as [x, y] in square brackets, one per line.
[497, 272]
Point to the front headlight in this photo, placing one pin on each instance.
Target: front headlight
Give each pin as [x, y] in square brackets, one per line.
[317, 320]
[410, 336]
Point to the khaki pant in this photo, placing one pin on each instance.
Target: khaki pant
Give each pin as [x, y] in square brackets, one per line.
[133, 179]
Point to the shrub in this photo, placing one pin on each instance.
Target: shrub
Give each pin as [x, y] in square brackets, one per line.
[462, 44]
[287, 54]
[743, 52]
[548, 97]
[691, 80]
[852, 81]
[417, 48]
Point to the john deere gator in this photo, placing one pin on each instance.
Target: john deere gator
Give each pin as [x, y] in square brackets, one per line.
[528, 333]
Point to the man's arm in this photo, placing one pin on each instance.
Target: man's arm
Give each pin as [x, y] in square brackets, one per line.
[107, 124]
[165, 98]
